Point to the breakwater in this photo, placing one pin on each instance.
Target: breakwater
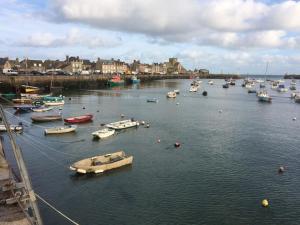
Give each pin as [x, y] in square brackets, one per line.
[13, 83]
[291, 76]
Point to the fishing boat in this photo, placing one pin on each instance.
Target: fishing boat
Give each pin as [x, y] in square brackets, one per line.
[102, 163]
[29, 89]
[135, 80]
[282, 88]
[115, 81]
[54, 103]
[79, 119]
[171, 94]
[103, 133]
[210, 82]
[154, 100]
[193, 89]
[263, 96]
[47, 118]
[22, 100]
[60, 130]
[123, 124]
[24, 108]
[274, 85]
[42, 109]
[12, 127]
[226, 85]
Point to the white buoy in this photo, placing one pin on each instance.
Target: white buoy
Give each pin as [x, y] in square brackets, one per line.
[294, 118]
[177, 103]
[220, 110]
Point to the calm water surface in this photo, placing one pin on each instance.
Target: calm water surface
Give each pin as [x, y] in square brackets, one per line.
[226, 165]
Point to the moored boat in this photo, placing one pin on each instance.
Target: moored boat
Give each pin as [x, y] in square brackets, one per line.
[22, 100]
[29, 89]
[251, 91]
[282, 88]
[226, 85]
[135, 80]
[12, 127]
[60, 130]
[263, 96]
[47, 118]
[24, 108]
[210, 82]
[193, 89]
[297, 98]
[42, 109]
[79, 119]
[177, 91]
[9, 96]
[101, 163]
[115, 80]
[54, 103]
[171, 94]
[103, 133]
[155, 100]
[123, 124]
[293, 87]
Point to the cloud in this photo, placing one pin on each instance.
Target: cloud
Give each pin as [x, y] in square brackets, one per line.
[73, 38]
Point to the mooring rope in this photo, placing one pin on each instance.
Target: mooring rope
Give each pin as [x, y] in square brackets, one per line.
[56, 210]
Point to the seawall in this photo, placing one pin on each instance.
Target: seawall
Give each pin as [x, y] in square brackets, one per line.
[13, 83]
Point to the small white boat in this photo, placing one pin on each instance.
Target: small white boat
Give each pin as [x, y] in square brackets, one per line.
[193, 89]
[210, 82]
[249, 86]
[293, 94]
[263, 96]
[42, 109]
[154, 100]
[293, 83]
[60, 130]
[54, 103]
[123, 124]
[297, 98]
[282, 88]
[177, 91]
[171, 94]
[274, 85]
[103, 133]
[12, 128]
[101, 163]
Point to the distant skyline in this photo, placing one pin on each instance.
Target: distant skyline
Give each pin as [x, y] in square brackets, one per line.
[232, 36]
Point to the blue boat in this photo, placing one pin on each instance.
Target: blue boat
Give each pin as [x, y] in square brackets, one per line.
[155, 100]
[135, 80]
[24, 108]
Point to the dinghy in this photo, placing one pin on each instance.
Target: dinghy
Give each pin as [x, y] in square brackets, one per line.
[60, 130]
[123, 124]
[47, 118]
[42, 109]
[12, 128]
[79, 119]
[101, 163]
[103, 133]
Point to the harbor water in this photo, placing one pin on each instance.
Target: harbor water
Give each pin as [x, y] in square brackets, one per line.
[231, 149]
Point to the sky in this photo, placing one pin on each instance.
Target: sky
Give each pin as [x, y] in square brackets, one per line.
[223, 36]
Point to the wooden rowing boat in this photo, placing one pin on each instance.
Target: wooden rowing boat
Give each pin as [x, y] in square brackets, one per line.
[101, 163]
[79, 119]
[47, 118]
[60, 130]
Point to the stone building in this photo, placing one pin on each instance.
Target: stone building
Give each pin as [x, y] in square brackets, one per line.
[32, 65]
[8, 65]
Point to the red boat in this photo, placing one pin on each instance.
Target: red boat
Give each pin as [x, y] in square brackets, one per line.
[79, 119]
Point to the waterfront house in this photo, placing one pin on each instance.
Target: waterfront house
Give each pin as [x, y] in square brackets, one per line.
[72, 65]
[32, 66]
[111, 66]
[52, 65]
[204, 72]
[9, 66]
[174, 67]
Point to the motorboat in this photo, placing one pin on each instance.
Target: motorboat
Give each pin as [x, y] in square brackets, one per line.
[282, 88]
[274, 85]
[293, 82]
[263, 96]
[54, 103]
[29, 89]
[12, 127]
[24, 108]
[251, 91]
[171, 94]
[177, 91]
[226, 85]
[193, 89]
[102, 163]
[47, 118]
[79, 119]
[210, 82]
[123, 124]
[297, 98]
[61, 130]
[103, 133]
[154, 100]
[115, 80]
[135, 80]
[262, 85]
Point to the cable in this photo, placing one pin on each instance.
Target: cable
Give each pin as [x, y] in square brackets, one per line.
[56, 210]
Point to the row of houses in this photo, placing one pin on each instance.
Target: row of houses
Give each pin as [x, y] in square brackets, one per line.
[75, 66]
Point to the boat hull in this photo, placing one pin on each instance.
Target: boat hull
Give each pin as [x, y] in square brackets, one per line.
[40, 119]
[60, 130]
[79, 119]
[103, 134]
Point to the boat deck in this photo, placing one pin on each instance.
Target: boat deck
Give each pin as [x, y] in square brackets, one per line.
[10, 214]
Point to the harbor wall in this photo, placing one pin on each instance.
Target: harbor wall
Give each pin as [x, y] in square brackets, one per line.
[13, 83]
[291, 76]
